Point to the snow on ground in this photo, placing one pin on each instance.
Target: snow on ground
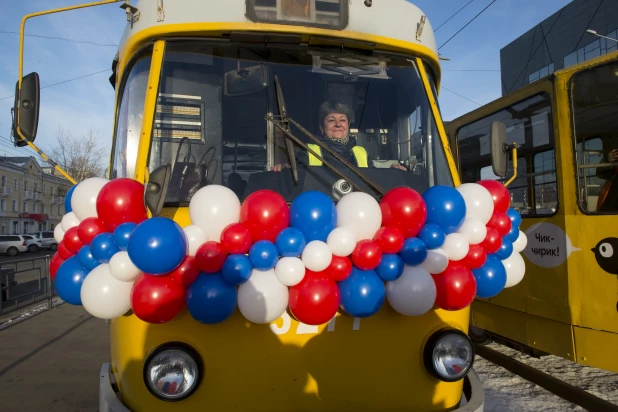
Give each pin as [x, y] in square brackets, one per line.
[505, 391]
[19, 315]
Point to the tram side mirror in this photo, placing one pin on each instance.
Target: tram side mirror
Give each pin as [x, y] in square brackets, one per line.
[499, 149]
[247, 80]
[156, 189]
[26, 109]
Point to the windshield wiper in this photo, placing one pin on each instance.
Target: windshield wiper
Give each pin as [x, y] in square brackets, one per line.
[283, 125]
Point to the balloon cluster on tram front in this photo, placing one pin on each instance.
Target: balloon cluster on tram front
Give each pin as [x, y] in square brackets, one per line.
[263, 257]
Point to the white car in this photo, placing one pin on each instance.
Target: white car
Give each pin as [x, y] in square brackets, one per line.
[12, 244]
[33, 243]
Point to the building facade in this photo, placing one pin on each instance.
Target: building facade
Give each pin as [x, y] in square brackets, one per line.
[560, 41]
[31, 197]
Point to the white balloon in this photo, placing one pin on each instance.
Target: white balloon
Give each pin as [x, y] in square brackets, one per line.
[103, 296]
[479, 203]
[341, 241]
[212, 208]
[68, 221]
[84, 198]
[262, 299]
[122, 268]
[414, 293]
[520, 244]
[436, 261]
[58, 233]
[290, 271]
[196, 237]
[473, 230]
[360, 213]
[456, 246]
[515, 269]
[317, 256]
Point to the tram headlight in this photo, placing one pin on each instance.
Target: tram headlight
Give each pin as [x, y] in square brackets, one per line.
[172, 373]
[449, 355]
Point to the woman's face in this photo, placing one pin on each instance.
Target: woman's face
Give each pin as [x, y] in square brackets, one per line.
[336, 126]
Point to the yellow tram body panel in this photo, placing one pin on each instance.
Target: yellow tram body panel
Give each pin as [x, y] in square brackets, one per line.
[566, 305]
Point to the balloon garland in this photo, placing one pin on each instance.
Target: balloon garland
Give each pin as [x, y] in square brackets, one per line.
[439, 249]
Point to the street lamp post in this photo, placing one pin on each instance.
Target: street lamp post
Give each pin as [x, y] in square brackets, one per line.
[593, 32]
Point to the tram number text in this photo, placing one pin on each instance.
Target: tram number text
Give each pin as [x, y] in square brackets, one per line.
[304, 329]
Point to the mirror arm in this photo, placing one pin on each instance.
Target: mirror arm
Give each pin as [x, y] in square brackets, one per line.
[514, 160]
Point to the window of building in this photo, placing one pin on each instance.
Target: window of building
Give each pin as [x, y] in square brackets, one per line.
[14, 209]
[596, 141]
[24, 207]
[34, 208]
[35, 187]
[43, 209]
[44, 189]
[52, 211]
[529, 124]
[25, 184]
[3, 205]
[596, 48]
[3, 181]
[539, 74]
[15, 184]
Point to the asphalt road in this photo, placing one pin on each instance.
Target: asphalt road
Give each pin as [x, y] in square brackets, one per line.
[26, 275]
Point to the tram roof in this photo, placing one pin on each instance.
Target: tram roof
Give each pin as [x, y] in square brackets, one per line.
[393, 25]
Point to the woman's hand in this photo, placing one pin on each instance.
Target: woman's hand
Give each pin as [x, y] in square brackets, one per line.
[278, 168]
[613, 156]
[398, 166]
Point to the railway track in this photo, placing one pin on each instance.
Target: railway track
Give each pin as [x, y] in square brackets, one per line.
[558, 387]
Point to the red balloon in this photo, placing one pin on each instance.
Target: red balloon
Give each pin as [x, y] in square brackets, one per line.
[210, 257]
[404, 209]
[339, 269]
[72, 241]
[265, 213]
[492, 241]
[499, 193]
[315, 300]
[475, 258]
[456, 287]
[501, 222]
[389, 239]
[63, 251]
[89, 228]
[156, 299]
[54, 264]
[185, 274]
[367, 255]
[121, 201]
[236, 239]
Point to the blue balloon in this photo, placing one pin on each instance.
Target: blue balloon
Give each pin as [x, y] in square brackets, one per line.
[390, 267]
[290, 242]
[445, 207]
[263, 255]
[86, 259]
[432, 235]
[103, 247]
[67, 200]
[157, 246]
[122, 234]
[513, 234]
[69, 279]
[490, 278]
[514, 216]
[237, 269]
[362, 293]
[505, 250]
[314, 214]
[210, 299]
[414, 251]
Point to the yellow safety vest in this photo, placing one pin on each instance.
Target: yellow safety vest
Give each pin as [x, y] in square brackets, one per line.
[359, 153]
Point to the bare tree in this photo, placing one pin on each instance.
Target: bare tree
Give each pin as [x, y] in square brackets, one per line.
[80, 157]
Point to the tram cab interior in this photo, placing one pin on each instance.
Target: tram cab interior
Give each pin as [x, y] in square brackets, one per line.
[213, 102]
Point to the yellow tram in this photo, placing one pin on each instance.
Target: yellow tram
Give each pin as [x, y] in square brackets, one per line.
[564, 126]
[228, 80]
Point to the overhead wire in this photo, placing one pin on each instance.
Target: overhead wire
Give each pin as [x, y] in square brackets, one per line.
[467, 24]
[463, 97]
[61, 38]
[64, 81]
[456, 13]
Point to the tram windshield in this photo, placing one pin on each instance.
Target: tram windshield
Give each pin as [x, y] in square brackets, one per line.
[211, 122]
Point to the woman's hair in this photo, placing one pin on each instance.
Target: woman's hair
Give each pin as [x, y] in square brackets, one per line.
[333, 106]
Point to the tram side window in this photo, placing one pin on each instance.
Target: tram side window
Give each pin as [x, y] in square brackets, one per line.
[594, 103]
[529, 124]
[129, 122]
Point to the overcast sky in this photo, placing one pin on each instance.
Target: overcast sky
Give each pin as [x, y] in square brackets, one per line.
[472, 72]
